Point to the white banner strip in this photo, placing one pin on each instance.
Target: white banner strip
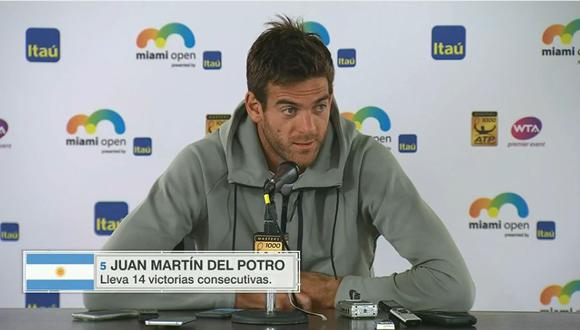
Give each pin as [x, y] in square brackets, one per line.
[60, 272]
[150, 271]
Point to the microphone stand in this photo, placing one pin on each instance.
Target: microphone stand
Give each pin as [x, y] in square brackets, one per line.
[270, 316]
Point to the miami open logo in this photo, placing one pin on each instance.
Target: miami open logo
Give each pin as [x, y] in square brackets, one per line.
[492, 221]
[90, 124]
[318, 29]
[159, 38]
[562, 293]
[369, 112]
[565, 32]
[375, 113]
[566, 35]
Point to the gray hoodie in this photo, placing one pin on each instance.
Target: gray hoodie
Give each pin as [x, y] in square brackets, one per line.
[354, 192]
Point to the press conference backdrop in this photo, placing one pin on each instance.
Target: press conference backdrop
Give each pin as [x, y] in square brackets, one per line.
[477, 101]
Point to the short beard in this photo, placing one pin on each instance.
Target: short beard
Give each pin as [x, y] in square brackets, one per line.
[278, 147]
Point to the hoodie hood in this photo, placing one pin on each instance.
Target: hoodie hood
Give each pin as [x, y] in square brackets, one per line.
[247, 164]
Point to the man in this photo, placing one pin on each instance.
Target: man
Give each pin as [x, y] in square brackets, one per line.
[351, 191]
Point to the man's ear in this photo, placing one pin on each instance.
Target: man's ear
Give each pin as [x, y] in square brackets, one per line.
[253, 107]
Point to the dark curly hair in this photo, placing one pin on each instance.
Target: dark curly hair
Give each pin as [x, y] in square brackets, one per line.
[284, 54]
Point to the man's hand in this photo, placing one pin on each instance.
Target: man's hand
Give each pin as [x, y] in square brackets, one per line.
[317, 291]
[258, 301]
[320, 288]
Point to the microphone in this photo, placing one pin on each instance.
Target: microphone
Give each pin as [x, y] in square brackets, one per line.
[272, 240]
[286, 173]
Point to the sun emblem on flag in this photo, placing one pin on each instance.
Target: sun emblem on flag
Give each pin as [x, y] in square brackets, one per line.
[60, 271]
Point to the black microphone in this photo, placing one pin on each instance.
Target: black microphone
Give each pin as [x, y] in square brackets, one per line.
[272, 240]
[286, 173]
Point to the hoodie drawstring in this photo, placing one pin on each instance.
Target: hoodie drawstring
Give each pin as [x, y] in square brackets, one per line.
[235, 216]
[333, 232]
[300, 223]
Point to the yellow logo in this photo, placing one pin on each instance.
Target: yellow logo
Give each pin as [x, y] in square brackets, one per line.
[484, 128]
[268, 246]
[213, 122]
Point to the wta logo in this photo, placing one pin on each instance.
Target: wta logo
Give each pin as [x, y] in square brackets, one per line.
[318, 29]
[493, 205]
[566, 33]
[90, 122]
[369, 112]
[160, 36]
[3, 128]
[562, 293]
[526, 128]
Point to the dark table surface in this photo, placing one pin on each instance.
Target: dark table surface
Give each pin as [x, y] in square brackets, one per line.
[48, 319]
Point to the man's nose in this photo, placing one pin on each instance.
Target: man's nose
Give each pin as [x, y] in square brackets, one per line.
[306, 122]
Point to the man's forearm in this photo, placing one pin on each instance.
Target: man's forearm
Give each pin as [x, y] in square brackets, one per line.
[418, 289]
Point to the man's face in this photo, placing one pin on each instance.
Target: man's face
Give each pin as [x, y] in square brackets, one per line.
[293, 124]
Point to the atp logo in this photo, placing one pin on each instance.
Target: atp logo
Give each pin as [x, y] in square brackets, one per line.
[564, 294]
[484, 128]
[160, 36]
[90, 122]
[371, 112]
[493, 206]
[566, 33]
[318, 29]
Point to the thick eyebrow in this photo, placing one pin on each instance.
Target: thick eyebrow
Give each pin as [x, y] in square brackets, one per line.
[289, 102]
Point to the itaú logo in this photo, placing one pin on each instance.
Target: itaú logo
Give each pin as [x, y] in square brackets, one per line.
[526, 128]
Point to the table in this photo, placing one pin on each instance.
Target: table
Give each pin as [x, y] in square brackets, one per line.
[60, 318]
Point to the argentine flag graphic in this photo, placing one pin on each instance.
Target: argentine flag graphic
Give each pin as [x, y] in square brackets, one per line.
[58, 272]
